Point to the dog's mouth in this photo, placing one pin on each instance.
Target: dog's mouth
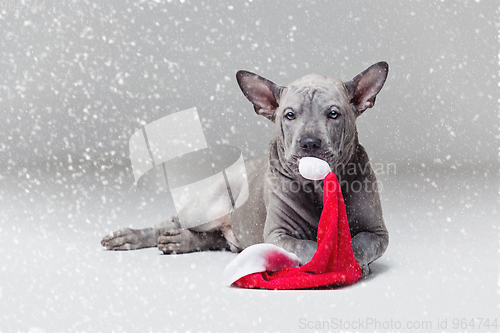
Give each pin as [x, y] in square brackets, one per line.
[330, 156]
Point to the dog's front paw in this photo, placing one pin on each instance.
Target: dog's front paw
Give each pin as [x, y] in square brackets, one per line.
[177, 241]
[365, 270]
[124, 239]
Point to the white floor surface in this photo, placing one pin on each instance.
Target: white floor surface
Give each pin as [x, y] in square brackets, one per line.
[441, 267]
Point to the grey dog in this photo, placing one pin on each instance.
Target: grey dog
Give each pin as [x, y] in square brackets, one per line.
[313, 116]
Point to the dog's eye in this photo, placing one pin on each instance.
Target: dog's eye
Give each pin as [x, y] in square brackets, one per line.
[289, 114]
[333, 114]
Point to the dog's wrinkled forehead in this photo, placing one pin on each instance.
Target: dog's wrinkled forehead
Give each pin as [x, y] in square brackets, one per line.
[314, 86]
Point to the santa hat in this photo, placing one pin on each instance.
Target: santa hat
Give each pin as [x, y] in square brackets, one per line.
[267, 266]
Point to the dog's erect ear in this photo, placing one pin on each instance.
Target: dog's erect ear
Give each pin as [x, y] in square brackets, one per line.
[263, 94]
[363, 89]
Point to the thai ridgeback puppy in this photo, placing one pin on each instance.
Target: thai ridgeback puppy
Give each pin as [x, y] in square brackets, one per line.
[313, 116]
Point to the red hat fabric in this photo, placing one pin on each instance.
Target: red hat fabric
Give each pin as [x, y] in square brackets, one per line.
[333, 264]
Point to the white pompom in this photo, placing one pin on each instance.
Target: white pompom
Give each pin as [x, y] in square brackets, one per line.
[313, 168]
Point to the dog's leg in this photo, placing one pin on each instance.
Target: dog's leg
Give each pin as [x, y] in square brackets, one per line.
[209, 236]
[214, 235]
[171, 237]
[304, 249]
[185, 241]
[367, 247]
[364, 211]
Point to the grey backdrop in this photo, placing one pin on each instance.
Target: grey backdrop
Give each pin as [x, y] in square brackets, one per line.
[78, 78]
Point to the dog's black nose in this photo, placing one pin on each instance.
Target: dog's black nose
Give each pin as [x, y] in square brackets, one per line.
[310, 143]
